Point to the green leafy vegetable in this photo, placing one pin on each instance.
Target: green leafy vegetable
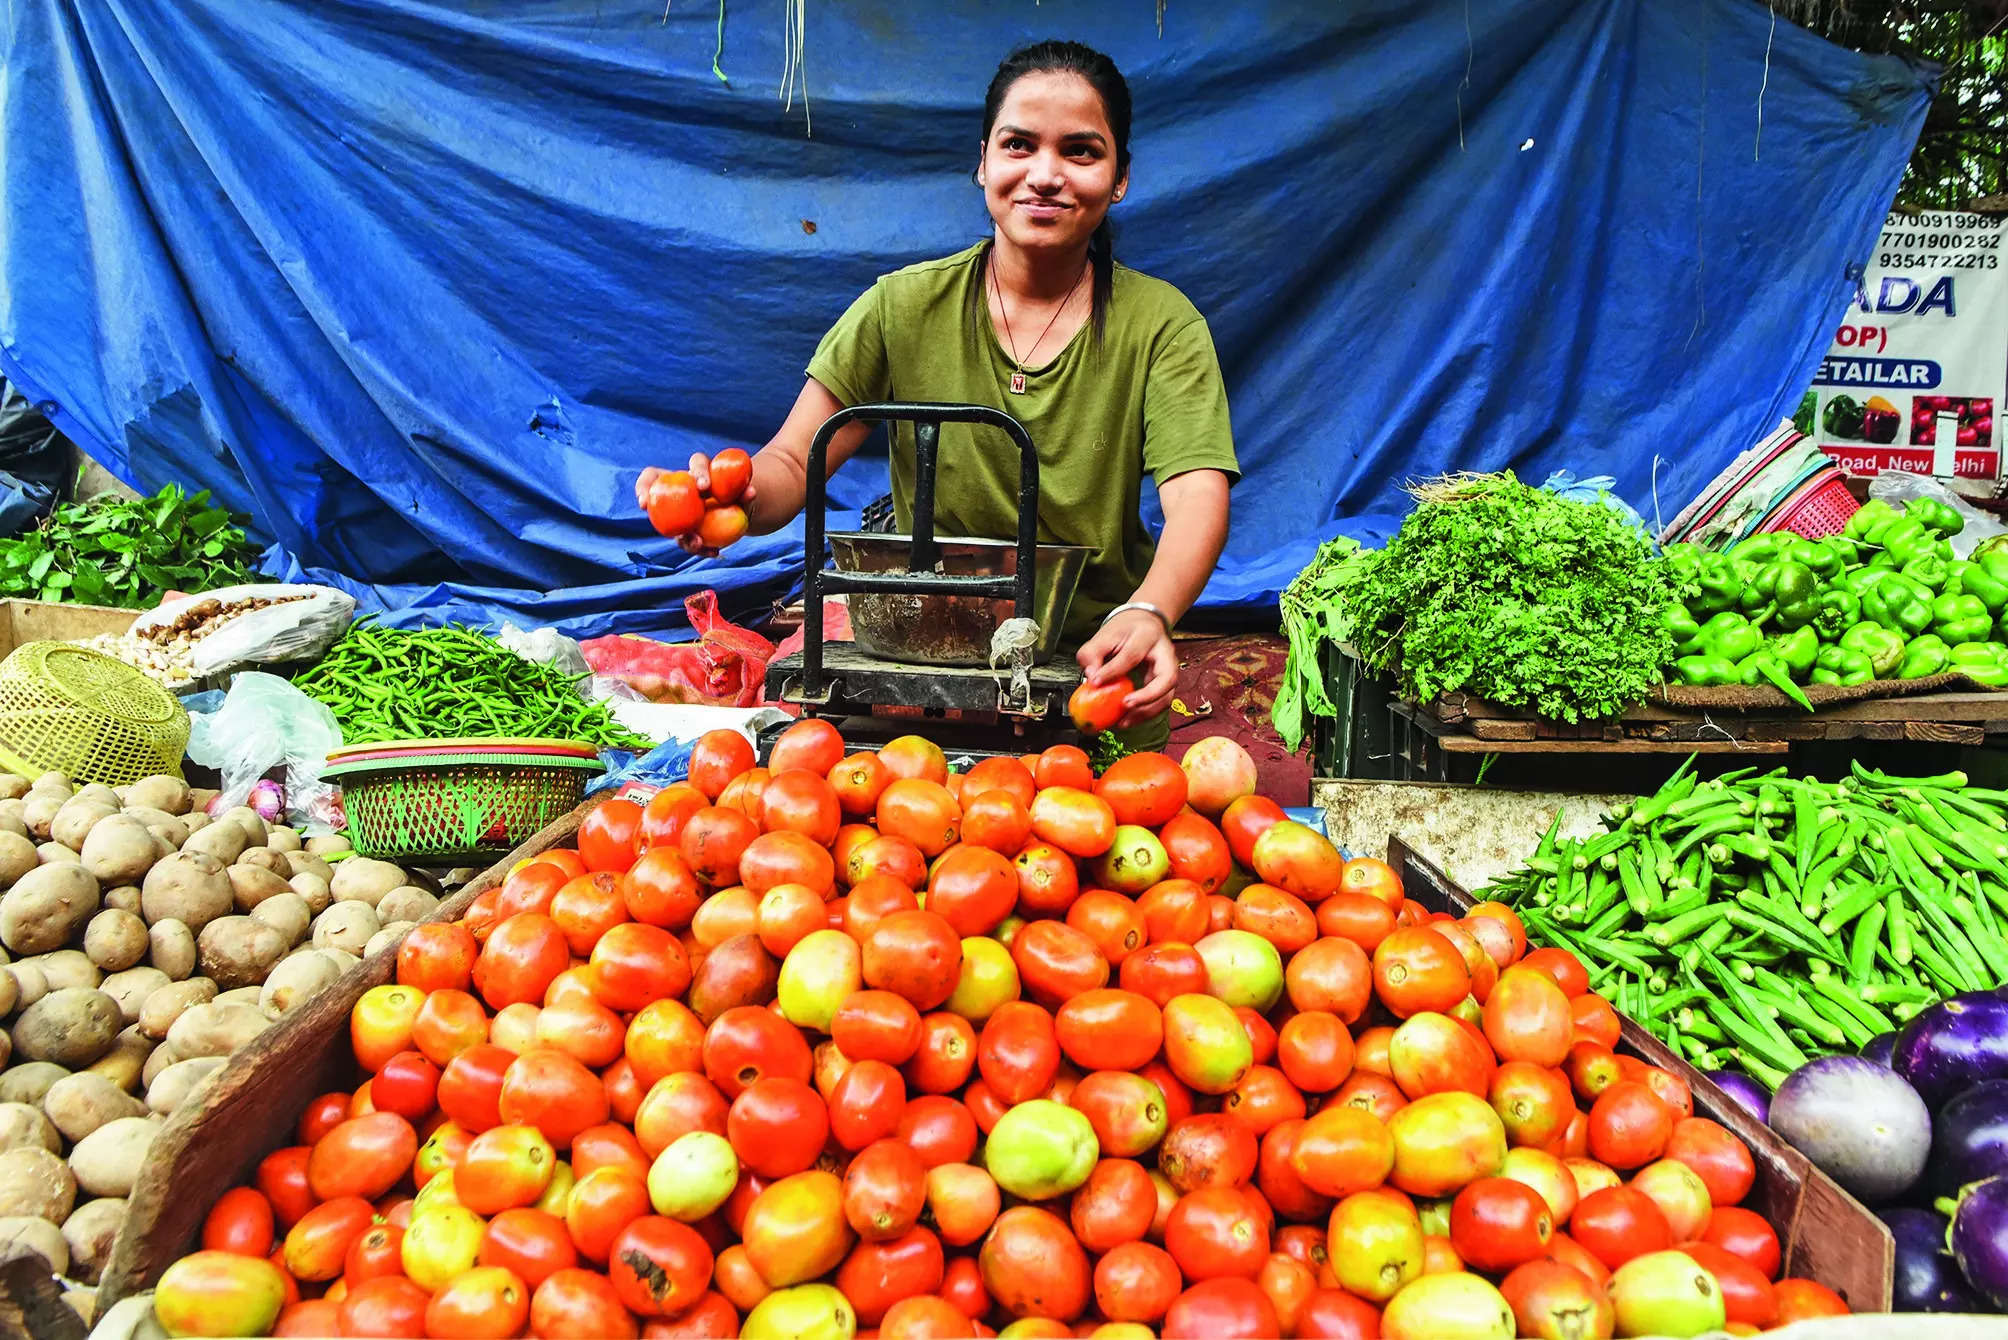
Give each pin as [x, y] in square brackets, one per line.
[128, 552]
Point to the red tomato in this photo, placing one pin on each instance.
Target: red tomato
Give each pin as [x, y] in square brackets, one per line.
[1214, 1232]
[582, 1303]
[659, 1267]
[779, 1126]
[407, 1085]
[718, 757]
[241, 1221]
[747, 1043]
[548, 1089]
[1745, 1233]
[1747, 1295]
[364, 1156]
[1618, 1223]
[523, 954]
[1221, 1309]
[470, 1087]
[437, 955]
[531, 1242]
[607, 836]
[1497, 1223]
[389, 1305]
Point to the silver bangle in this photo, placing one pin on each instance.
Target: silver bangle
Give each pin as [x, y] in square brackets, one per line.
[1146, 607]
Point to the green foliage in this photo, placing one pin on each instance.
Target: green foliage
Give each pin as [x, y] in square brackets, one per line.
[1506, 591]
[127, 552]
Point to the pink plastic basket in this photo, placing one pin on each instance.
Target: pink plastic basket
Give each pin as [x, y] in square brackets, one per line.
[1818, 508]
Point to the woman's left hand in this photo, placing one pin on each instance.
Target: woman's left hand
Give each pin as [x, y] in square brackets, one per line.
[1131, 639]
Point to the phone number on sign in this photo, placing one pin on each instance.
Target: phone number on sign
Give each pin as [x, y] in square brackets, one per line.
[1925, 260]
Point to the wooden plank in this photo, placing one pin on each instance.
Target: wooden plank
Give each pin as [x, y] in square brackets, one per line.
[1494, 728]
[1468, 744]
[1827, 1235]
[252, 1105]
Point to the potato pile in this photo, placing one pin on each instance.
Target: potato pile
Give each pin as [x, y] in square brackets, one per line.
[144, 941]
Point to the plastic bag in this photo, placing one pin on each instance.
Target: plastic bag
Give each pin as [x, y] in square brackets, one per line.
[548, 646]
[1597, 488]
[265, 724]
[1898, 486]
[725, 667]
[294, 623]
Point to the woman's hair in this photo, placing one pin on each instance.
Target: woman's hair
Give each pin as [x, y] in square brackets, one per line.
[1108, 83]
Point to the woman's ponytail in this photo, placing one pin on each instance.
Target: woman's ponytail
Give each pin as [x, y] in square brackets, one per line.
[1102, 256]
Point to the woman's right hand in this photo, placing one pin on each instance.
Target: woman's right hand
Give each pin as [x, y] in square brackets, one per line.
[700, 469]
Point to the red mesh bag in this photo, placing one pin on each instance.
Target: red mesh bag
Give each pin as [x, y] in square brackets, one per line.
[725, 667]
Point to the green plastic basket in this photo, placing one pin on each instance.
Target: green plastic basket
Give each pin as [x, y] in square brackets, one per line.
[456, 808]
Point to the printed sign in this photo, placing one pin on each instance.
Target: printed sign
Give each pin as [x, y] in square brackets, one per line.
[1920, 362]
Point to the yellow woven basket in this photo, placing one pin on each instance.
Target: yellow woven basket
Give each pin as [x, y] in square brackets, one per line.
[90, 717]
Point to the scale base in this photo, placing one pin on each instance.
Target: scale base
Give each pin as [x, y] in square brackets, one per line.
[856, 683]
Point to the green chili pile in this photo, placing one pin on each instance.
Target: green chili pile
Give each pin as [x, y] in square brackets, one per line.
[452, 683]
[1759, 920]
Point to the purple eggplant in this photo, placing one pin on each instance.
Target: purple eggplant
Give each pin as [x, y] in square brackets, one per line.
[1969, 1138]
[1927, 1278]
[1749, 1095]
[1954, 1045]
[1878, 1048]
[1980, 1238]
[1859, 1123]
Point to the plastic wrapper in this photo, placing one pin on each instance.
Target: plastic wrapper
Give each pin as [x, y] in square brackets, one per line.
[268, 730]
[1898, 486]
[299, 623]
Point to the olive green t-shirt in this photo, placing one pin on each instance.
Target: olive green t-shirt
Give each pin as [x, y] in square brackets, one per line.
[1149, 397]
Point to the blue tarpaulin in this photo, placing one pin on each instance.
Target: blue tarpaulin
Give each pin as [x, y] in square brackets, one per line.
[419, 287]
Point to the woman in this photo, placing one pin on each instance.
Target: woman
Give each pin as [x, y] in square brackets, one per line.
[1112, 372]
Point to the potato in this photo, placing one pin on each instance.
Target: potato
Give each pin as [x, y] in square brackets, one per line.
[179, 1082]
[328, 845]
[118, 851]
[27, 1082]
[196, 821]
[157, 1062]
[10, 820]
[39, 1236]
[190, 887]
[240, 995]
[68, 967]
[216, 1029]
[365, 881]
[26, 1125]
[247, 819]
[125, 898]
[131, 987]
[282, 839]
[46, 908]
[220, 840]
[73, 823]
[346, 926]
[171, 948]
[34, 1181]
[13, 785]
[298, 978]
[287, 914]
[97, 793]
[40, 811]
[107, 1161]
[387, 938]
[266, 859]
[170, 826]
[17, 857]
[126, 1061]
[78, 1104]
[314, 889]
[239, 951]
[251, 885]
[72, 1027]
[115, 940]
[344, 958]
[306, 863]
[10, 992]
[88, 1233]
[55, 853]
[160, 792]
[29, 983]
[167, 1004]
[407, 903]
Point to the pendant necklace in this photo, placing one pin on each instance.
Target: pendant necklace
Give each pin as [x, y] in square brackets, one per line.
[1018, 375]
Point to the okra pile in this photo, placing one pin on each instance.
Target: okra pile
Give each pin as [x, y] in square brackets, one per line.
[452, 683]
[1757, 920]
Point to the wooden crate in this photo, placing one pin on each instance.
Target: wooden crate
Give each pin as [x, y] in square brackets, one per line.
[1827, 1234]
[252, 1105]
[23, 621]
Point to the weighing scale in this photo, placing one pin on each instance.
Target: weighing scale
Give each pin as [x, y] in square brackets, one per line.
[926, 609]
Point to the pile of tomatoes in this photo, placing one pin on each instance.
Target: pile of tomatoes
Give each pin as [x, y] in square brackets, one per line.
[677, 506]
[850, 1044]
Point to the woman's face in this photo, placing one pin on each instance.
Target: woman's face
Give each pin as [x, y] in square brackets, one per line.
[1049, 165]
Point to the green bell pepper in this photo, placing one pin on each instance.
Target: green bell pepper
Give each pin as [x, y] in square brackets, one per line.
[1838, 665]
[1904, 540]
[1705, 671]
[1883, 646]
[1974, 579]
[1924, 656]
[1869, 521]
[1795, 590]
[1718, 586]
[1730, 636]
[1797, 649]
[1848, 550]
[1840, 609]
[1941, 519]
[1958, 618]
[1985, 663]
[1820, 558]
[1681, 627]
[1859, 580]
[1899, 603]
[1766, 666]
[1761, 548]
[1929, 571]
